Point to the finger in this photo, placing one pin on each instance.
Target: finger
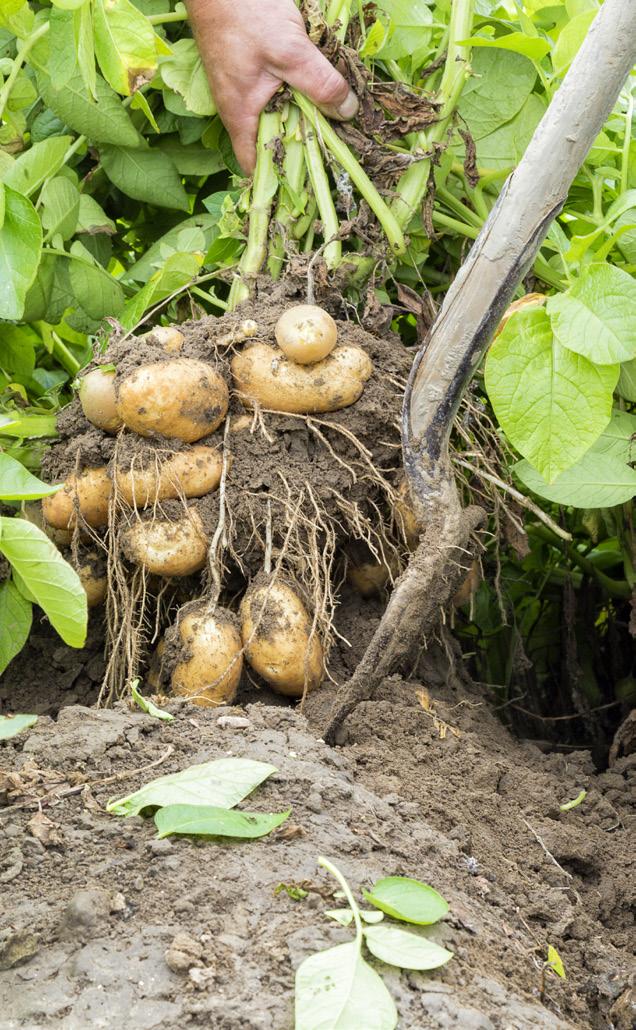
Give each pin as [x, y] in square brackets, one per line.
[315, 76]
[240, 114]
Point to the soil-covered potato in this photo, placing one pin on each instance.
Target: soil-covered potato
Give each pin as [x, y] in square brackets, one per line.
[89, 492]
[99, 401]
[94, 582]
[306, 333]
[189, 473]
[210, 670]
[264, 377]
[276, 629]
[165, 547]
[180, 398]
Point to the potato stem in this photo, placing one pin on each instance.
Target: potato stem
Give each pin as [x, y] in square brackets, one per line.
[322, 193]
[290, 198]
[411, 188]
[264, 190]
[345, 158]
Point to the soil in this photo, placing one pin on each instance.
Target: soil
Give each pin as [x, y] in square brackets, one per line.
[103, 925]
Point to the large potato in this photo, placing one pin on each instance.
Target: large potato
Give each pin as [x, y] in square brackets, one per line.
[212, 671]
[276, 629]
[183, 398]
[167, 548]
[98, 399]
[263, 376]
[90, 492]
[190, 473]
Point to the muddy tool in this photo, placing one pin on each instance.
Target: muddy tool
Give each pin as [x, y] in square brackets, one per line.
[502, 255]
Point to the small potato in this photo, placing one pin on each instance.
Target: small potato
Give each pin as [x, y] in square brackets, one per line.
[90, 491]
[211, 674]
[94, 584]
[169, 337]
[191, 473]
[306, 334]
[265, 378]
[370, 578]
[32, 512]
[183, 398]
[530, 300]
[98, 400]
[167, 548]
[276, 628]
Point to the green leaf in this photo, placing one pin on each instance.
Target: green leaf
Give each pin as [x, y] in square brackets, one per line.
[501, 84]
[94, 289]
[209, 821]
[155, 255]
[194, 159]
[627, 382]
[92, 218]
[505, 147]
[337, 990]
[15, 624]
[403, 949]
[51, 580]
[555, 962]
[407, 899]
[344, 916]
[600, 479]
[17, 483]
[37, 164]
[85, 47]
[146, 175]
[11, 725]
[596, 317]
[29, 425]
[570, 39]
[17, 350]
[147, 706]
[177, 272]
[534, 47]
[552, 404]
[60, 206]
[222, 783]
[183, 73]
[20, 248]
[103, 120]
[124, 44]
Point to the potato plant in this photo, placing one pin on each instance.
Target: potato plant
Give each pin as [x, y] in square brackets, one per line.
[122, 204]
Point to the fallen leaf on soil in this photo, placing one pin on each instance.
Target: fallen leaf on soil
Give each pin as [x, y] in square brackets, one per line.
[45, 830]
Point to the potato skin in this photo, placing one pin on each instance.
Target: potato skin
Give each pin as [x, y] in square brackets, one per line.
[98, 399]
[211, 674]
[94, 585]
[191, 473]
[90, 491]
[182, 398]
[169, 549]
[306, 333]
[263, 376]
[275, 629]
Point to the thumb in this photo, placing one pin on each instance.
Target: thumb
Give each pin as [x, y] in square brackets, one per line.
[312, 74]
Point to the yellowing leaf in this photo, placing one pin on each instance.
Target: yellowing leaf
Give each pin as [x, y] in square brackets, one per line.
[124, 44]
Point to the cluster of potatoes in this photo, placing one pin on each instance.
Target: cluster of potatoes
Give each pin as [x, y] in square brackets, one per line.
[184, 400]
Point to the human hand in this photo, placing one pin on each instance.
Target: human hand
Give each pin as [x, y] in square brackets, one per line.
[250, 47]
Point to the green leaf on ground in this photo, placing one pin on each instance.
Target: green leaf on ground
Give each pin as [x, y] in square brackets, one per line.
[574, 803]
[20, 249]
[408, 900]
[222, 784]
[146, 175]
[337, 990]
[555, 962]
[596, 317]
[344, 916]
[407, 950]
[18, 484]
[146, 704]
[210, 821]
[11, 725]
[48, 577]
[15, 622]
[551, 403]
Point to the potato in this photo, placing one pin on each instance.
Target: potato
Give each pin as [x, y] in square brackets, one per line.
[275, 628]
[306, 334]
[94, 584]
[264, 377]
[183, 398]
[190, 473]
[211, 673]
[167, 548]
[98, 400]
[529, 301]
[369, 578]
[32, 512]
[90, 491]
[169, 337]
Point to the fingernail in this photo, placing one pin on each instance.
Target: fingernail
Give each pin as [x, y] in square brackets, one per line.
[349, 107]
